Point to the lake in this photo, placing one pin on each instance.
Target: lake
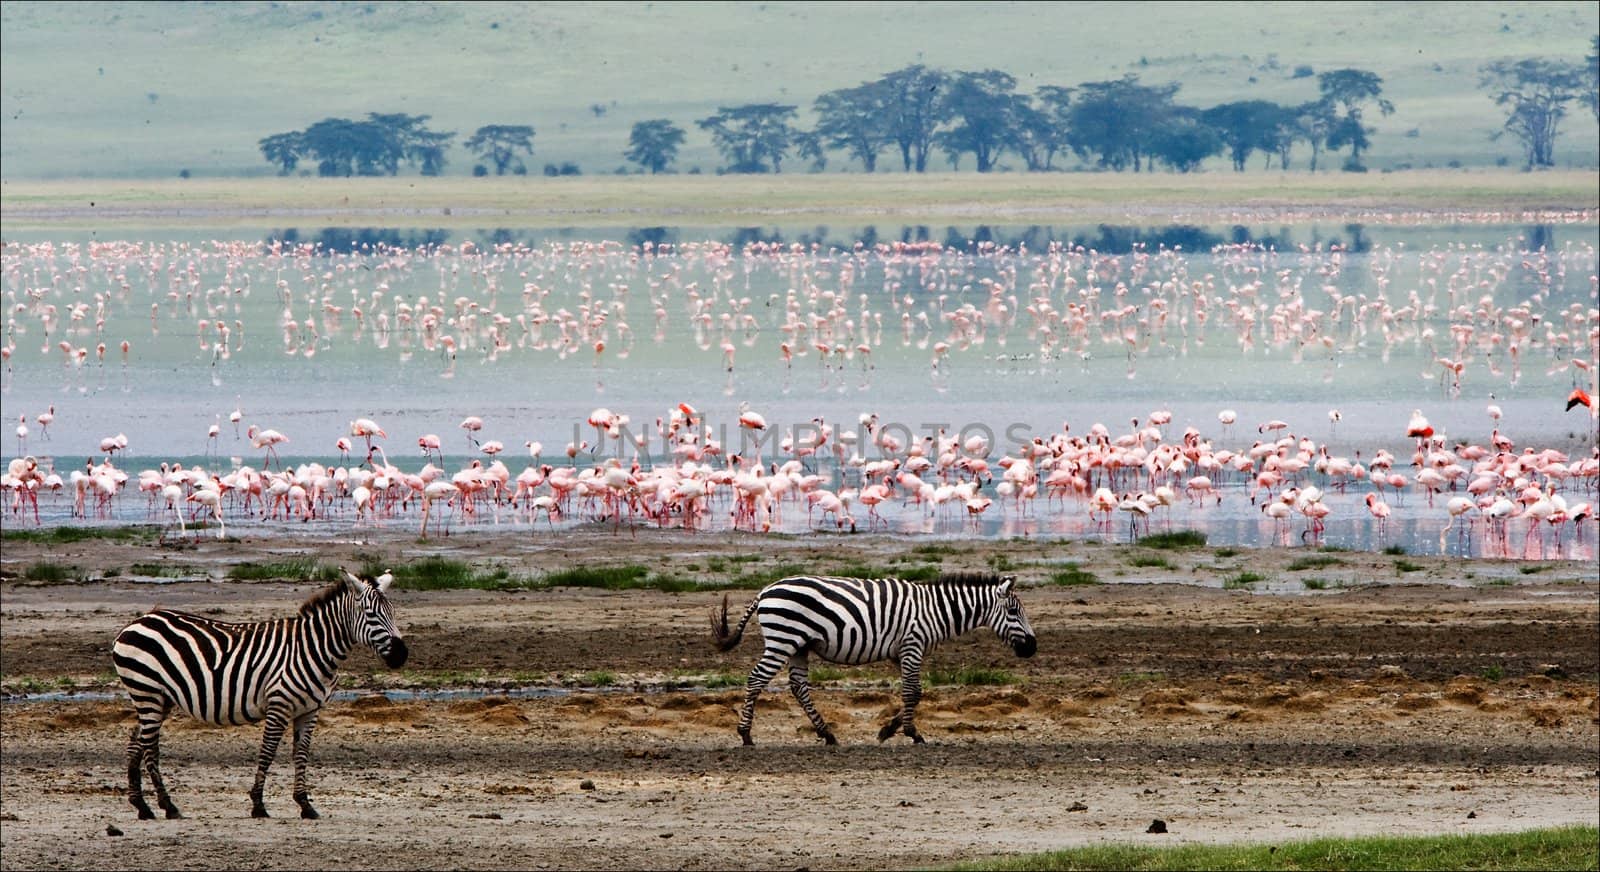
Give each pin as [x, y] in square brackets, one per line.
[1005, 333]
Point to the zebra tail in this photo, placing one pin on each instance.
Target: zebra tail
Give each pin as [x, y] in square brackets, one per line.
[727, 639]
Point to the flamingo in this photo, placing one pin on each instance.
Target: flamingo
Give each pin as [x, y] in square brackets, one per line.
[472, 424]
[366, 428]
[1457, 506]
[1380, 511]
[45, 419]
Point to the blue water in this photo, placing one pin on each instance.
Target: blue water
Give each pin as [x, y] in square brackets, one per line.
[1145, 349]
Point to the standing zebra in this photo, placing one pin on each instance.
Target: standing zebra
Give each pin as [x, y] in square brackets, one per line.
[855, 621]
[280, 671]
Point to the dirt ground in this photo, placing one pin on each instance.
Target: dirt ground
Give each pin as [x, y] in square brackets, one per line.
[1453, 696]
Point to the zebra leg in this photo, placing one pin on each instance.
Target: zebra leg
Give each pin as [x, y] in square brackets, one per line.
[771, 661]
[302, 753]
[277, 720]
[800, 686]
[152, 765]
[135, 771]
[910, 695]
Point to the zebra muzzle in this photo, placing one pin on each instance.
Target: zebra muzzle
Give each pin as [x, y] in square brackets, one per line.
[395, 657]
[1026, 647]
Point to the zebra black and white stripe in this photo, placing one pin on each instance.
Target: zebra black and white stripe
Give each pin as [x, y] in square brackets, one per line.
[278, 671]
[855, 621]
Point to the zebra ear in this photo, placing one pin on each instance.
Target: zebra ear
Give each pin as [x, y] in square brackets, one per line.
[355, 580]
[383, 581]
[1006, 583]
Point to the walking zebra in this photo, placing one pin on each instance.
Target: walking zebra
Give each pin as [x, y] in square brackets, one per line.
[280, 671]
[855, 621]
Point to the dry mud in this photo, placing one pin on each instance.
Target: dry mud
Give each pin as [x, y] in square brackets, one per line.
[1464, 700]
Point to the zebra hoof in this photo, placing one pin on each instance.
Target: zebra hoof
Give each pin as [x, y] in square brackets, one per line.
[745, 737]
[828, 739]
[259, 811]
[173, 814]
[146, 814]
[309, 813]
[917, 739]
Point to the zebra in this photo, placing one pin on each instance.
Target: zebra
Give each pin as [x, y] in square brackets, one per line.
[855, 621]
[280, 671]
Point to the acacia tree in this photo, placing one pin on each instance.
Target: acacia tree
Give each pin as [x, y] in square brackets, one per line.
[1247, 126]
[343, 147]
[984, 109]
[1185, 141]
[1351, 89]
[856, 121]
[499, 144]
[1314, 121]
[752, 135]
[654, 144]
[916, 109]
[283, 149]
[1117, 119]
[1537, 90]
[419, 146]
[1592, 97]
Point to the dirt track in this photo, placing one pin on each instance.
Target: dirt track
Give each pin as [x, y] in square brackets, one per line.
[1229, 715]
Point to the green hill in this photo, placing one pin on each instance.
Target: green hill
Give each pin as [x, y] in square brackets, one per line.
[123, 89]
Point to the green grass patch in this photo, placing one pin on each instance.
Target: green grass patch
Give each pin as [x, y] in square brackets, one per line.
[1314, 561]
[598, 678]
[50, 572]
[164, 570]
[1533, 568]
[1001, 563]
[1494, 672]
[1072, 575]
[1242, 581]
[295, 569]
[441, 573]
[1573, 847]
[67, 534]
[1150, 560]
[1226, 552]
[1394, 550]
[1404, 566]
[1140, 677]
[937, 551]
[967, 676]
[1176, 540]
[1315, 583]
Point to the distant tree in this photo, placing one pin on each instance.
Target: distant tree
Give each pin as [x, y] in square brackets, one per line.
[1593, 58]
[1046, 132]
[1537, 91]
[1185, 141]
[1116, 120]
[343, 147]
[1247, 126]
[808, 145]
[654, 144]
[983, 109]
[499, 143]
[753, 137]
[419, 146]
[856, 121]
[1351, 89]
[916, 109]
[283, 149]
[1315, 120]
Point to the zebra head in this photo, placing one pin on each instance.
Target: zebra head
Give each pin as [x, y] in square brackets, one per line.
[1009, 621]
[374, 619]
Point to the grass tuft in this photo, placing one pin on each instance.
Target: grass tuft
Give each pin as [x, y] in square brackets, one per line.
[1314, 561]
[1572, 847]
[296, 569]
[1177, 540]
[1072, 575]
[967, 676]
[50, 572]
[1242, 581]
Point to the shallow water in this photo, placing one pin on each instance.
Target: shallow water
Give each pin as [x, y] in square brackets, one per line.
[1143, 348]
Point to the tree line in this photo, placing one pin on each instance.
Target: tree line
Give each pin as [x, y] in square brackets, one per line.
[913, 114]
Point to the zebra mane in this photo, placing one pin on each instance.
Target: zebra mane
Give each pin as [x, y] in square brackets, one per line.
[967, 579]
[322, 597]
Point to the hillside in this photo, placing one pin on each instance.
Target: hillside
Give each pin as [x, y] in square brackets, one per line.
[145, 89]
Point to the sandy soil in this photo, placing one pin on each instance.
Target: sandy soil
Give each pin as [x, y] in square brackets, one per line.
[1457, 697]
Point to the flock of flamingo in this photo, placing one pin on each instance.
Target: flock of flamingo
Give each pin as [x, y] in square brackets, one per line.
[1459, 308]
